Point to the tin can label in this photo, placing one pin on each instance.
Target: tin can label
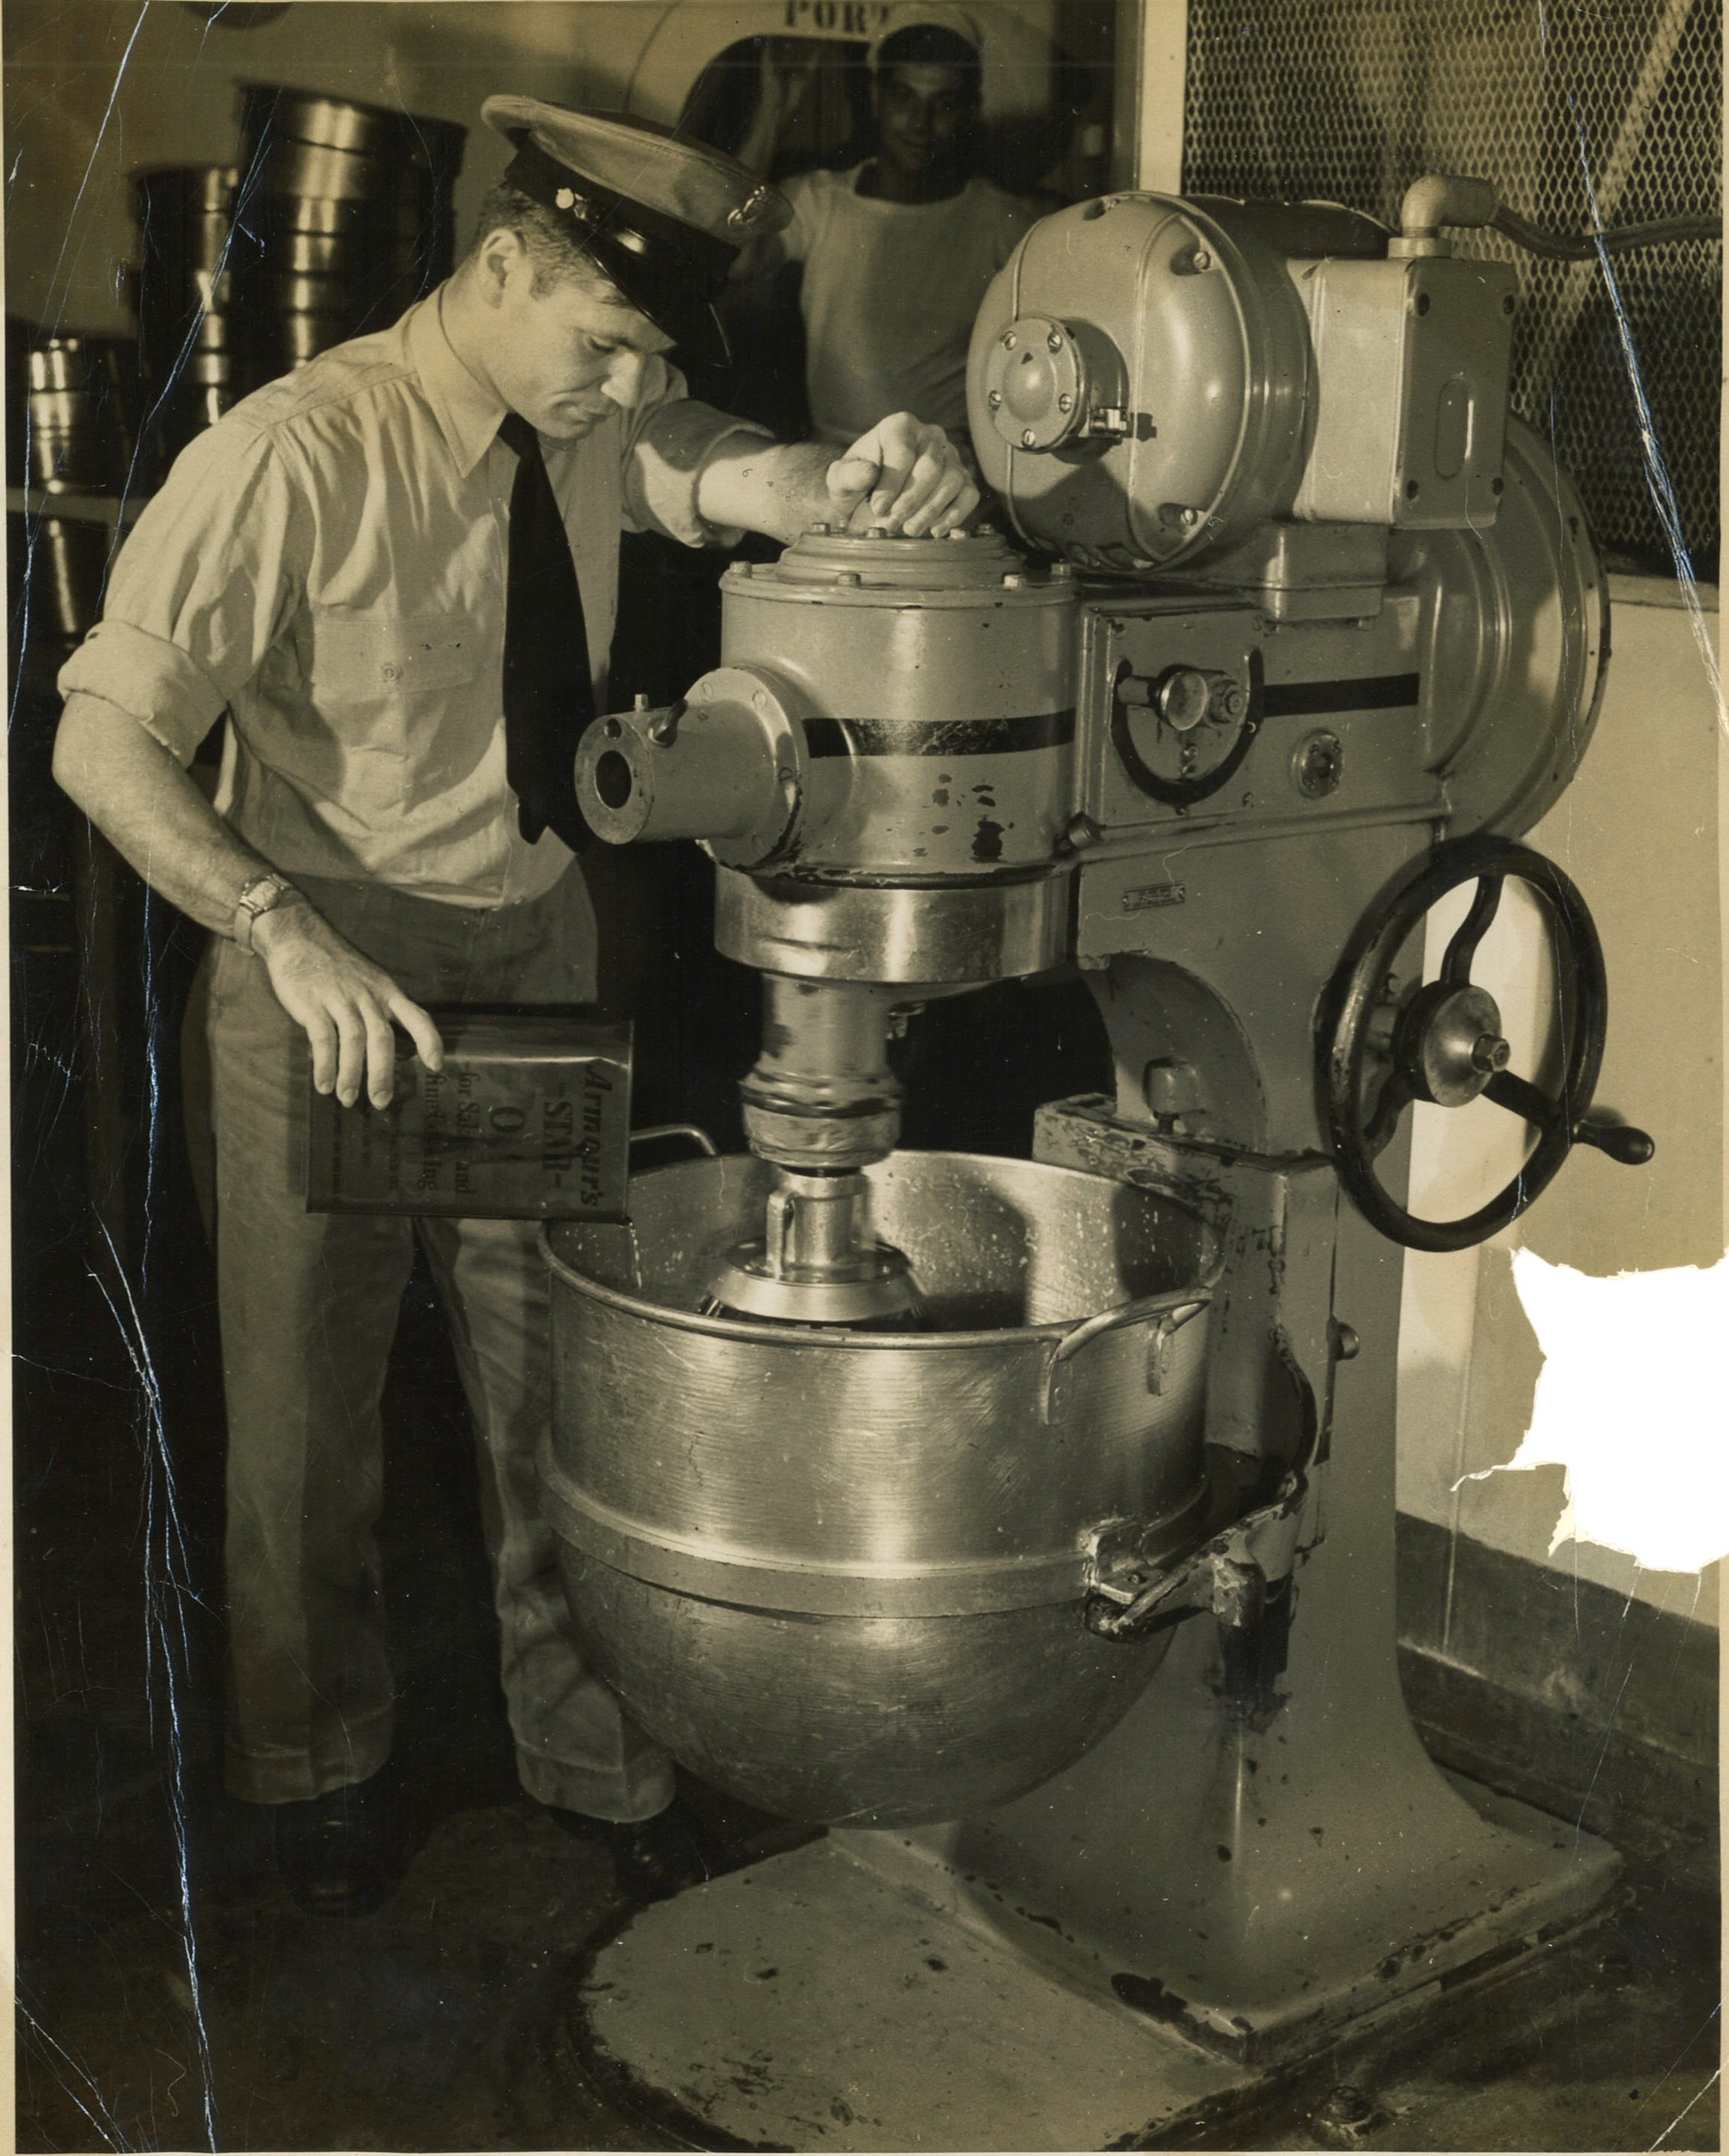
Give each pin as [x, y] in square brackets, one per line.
[529, 1119]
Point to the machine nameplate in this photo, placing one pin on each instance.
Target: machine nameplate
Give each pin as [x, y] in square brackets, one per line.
[1146, 896]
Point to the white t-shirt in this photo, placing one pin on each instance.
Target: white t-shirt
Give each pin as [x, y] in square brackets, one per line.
[889, 296]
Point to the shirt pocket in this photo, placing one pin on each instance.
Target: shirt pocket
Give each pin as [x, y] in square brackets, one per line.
[399, 701]
[372, 659]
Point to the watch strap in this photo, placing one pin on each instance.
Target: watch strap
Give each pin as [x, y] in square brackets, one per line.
[259, 897]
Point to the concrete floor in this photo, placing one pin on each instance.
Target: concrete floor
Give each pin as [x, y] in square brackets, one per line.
[441, 2022]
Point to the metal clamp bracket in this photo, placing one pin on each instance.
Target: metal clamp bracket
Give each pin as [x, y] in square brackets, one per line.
[1228, 1577]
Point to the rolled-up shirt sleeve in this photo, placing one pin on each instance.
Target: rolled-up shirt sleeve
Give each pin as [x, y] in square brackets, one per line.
[669, 440]
[205, 586]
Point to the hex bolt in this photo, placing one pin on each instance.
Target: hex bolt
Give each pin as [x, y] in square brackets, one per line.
[1490, 1053]
[819, 530]
[1011, 582]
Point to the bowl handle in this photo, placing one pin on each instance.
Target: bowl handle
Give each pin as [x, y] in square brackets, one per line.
[1172, 1311]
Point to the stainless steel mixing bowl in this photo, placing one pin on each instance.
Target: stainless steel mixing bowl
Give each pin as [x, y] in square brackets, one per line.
[839, 1573]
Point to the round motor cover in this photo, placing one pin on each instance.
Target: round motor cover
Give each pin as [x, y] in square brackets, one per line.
[1517, 644]
[1181, 344]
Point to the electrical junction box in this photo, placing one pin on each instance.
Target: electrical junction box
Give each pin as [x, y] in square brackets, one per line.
[529, 1119]
[1409, 396]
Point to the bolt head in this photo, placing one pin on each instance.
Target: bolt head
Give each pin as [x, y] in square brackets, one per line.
[1055, 340]
[1490, 1053]
[994, 399]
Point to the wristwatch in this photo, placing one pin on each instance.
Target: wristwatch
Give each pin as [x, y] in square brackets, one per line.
[259, 896]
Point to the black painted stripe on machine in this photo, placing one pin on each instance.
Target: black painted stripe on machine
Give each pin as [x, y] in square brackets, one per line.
[1317, 700]
[941, 737]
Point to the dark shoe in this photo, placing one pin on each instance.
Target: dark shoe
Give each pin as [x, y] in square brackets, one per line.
[340, 1855]
[652, 1859]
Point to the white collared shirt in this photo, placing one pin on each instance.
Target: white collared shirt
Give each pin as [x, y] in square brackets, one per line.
[329, 564]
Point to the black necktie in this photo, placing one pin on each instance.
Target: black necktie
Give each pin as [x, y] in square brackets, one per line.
[548, 690]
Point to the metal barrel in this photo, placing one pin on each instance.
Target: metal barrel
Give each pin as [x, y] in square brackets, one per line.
[189, 245]
[353, 208]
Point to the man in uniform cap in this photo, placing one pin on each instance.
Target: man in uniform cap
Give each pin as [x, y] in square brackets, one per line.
[395, 570]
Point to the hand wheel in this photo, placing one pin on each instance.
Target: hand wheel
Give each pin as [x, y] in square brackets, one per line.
[1443, 1044]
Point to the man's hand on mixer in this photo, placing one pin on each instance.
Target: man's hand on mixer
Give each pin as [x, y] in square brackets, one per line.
[904, 475]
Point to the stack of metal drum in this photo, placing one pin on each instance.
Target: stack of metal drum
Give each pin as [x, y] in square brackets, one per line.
[73, 398]
[188, 241]
[336, 216]
[350, 209]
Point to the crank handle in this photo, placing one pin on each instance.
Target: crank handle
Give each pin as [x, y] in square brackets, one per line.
[1621, 1141]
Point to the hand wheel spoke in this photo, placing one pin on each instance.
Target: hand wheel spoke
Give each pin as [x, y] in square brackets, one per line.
[1396, 1095]
[1520, 1097]
[1456, 965]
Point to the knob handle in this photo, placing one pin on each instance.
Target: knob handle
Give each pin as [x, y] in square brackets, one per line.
[1621, 1141]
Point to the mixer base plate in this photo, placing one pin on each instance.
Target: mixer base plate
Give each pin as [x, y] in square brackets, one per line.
[809, 2002]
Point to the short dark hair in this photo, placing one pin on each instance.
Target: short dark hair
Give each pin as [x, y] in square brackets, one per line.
[559, 257]
[928, 45]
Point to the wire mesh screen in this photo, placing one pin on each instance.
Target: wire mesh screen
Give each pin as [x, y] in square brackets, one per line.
[1582, 112]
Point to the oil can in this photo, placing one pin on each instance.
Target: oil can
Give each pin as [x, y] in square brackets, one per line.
[529, 1119]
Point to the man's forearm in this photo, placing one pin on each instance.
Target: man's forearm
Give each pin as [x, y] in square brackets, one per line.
[778, 488]
[902, 474]
[136, 793]
[141, 800]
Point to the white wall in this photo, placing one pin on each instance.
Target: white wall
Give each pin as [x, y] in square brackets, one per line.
[1639, 831]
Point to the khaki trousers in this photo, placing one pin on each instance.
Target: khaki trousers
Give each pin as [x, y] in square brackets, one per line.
[309, 1304]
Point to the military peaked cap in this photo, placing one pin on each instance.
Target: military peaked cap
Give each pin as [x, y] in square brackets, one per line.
[664, 218]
